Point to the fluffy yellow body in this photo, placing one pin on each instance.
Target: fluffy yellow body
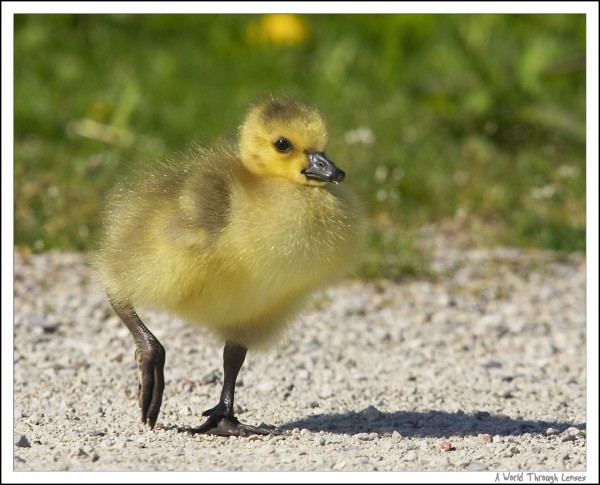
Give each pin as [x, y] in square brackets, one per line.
[224, 239]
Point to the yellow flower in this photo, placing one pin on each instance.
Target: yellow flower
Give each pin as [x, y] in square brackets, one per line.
[278, 29]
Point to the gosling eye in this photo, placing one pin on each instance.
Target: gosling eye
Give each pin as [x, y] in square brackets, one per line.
[282, 145]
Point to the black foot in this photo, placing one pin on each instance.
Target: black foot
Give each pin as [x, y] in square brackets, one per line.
[221, 424]
[230, 426]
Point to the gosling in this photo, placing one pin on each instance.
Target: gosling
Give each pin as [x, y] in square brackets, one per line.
[235, 238]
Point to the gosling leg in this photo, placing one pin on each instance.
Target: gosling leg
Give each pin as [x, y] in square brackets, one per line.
[221, 419]
[150, 356]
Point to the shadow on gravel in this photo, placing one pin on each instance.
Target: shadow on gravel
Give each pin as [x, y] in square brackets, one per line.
[436, 424]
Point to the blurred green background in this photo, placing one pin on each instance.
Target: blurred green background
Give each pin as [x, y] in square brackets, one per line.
[476, 122]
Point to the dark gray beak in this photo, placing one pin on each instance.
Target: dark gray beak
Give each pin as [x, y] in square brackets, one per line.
[323, 169]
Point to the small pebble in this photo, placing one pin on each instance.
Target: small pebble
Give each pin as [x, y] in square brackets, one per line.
[22, 442]
[387, 445]
[447, 446]
[411, 456]
[486, 438]
[303, 374]
[373, 414]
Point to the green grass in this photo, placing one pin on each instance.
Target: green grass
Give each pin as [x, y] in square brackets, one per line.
[476, 119]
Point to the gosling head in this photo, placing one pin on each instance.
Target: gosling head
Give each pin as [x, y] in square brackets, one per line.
[286, 139]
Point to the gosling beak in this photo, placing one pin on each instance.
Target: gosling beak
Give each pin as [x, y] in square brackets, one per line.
[323, 169]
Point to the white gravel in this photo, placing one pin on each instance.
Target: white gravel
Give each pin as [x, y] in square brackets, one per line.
[481, 367]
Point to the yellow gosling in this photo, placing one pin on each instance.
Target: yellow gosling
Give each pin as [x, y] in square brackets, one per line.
[234, 238]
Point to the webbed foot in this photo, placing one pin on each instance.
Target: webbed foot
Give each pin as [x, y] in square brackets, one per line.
[222, 424]
[230, 426]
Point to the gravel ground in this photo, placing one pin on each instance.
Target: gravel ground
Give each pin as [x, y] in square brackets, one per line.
[481, 367]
